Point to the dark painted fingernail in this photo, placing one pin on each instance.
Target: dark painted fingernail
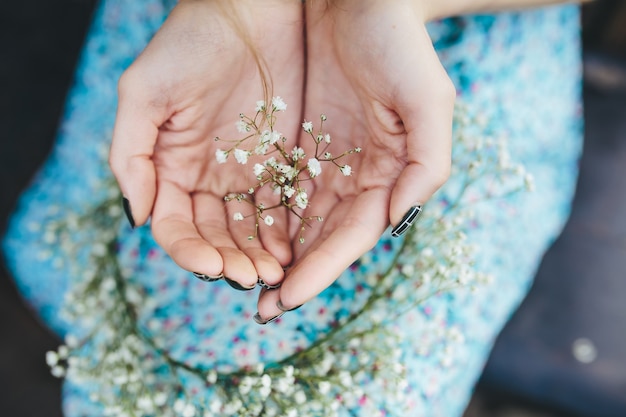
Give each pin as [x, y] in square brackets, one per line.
[263, 284]
[129, 214]
[237, 285]
[207, 278]
[407, 221]
[284, 309]
[257, 317]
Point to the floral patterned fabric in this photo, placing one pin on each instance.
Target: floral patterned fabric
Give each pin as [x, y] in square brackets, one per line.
[519, 71]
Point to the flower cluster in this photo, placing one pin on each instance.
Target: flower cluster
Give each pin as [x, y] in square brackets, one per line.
[356, 367]
[285, 169]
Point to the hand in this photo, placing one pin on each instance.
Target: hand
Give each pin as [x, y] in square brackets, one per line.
[373, 71]
[186, 88]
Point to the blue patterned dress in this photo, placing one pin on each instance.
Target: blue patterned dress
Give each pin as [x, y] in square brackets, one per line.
[520, 71]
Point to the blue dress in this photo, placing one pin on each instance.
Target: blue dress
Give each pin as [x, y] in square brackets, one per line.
[414, 349]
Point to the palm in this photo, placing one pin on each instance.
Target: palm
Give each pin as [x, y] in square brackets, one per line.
[195, 77]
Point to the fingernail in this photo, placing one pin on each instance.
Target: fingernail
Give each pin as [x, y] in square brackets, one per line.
[207, 278]
[407, 221]
[129, 214]
[257, 317]
[267, 286]
[237, 285]
[284, 309]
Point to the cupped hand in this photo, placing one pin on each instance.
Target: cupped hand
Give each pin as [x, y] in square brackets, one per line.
[372, 70]
[189, 86]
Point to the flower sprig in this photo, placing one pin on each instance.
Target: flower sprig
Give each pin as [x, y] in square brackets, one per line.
[285, 170]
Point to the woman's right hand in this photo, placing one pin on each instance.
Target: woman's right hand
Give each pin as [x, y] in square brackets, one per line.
[189, 86]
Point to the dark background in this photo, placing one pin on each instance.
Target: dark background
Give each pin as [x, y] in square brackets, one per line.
[531, 373]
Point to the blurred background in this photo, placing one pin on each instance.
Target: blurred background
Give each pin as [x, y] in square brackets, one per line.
[563, 354]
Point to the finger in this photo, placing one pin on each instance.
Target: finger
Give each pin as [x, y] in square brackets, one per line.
[242, 225]
[174, 230]
[356, 230]
[267, 311]
[211, 220]
[134, 136]
[426, 110]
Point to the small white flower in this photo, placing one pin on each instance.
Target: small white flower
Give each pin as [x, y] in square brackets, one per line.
[265, 391]
[289, 171]
[189, 411]
[58, 372]
[289, 191]
[327, 138]
[260, 105]
[314, 167]
[269, 220]
[71, 341]
[279, 104]
[261, 148]
[221, 156]
[241, 156]
[346, 170]
[215, 405]
[242, 126]
[179, 405]
[52, 358]
[270, 162]
[238, 217]
[211, 377]
[300, 397]
[307, 126]
[324, 387]
[297, 153]
[258, 170]
[160, 399]
[145, 404]
[64, 352]
[302, 199]
[274, 137]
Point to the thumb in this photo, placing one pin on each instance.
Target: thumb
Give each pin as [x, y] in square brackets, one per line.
[134, 137]
[426, 111]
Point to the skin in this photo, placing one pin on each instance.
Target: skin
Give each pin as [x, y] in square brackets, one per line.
[370, 67]
[187, 87]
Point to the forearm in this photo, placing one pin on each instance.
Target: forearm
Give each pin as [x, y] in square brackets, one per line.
[436, 9]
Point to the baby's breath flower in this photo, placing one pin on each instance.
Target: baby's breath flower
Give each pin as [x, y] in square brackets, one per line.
[238, 217]
[270, 162]
[297, 153]
[327, 138]
[52, 358]
[279, 104]
[242, 126]
[258, 170]
[307, 126]
[274, 137]
[269, 220]
[346, 170]
[242, 156]
[262, 148]
[324, 387]
[260, 105]
[289, 191]
[221, 156]
[314, 167]
[302, 199]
